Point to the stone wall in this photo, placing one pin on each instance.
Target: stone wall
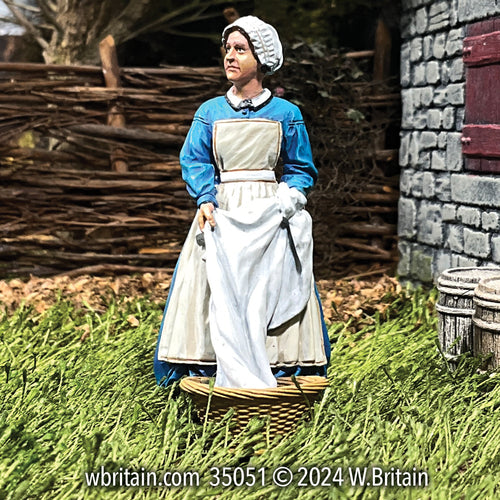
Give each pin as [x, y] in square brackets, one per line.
[447, 217]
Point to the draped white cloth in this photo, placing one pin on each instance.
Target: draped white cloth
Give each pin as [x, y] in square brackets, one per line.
[256, 285]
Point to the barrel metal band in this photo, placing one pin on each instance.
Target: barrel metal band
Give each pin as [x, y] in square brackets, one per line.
[461, 291]
[485, 325]
[487, 304]
[454, 311]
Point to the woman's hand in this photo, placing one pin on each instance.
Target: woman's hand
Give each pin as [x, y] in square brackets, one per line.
[290, 200]
[206, 214]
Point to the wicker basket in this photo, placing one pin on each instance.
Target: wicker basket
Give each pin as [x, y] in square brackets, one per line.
[285, 404]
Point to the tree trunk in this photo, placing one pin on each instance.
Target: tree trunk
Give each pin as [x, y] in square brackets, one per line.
[69, 31]
[82, 24]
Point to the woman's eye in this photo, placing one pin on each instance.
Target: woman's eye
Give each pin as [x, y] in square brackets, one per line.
[236, 47]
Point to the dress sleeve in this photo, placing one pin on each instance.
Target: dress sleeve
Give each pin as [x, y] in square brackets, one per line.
[298, 169]
[198, 171]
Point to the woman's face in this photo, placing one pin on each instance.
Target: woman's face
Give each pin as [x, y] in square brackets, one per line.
[240, 64]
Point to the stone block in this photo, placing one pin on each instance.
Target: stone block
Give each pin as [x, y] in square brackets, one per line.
[465, 261]
[421, 21]
[414, 150]
[405, 65]
[405, 181]
[455, 260]
[426, 96]
[490, 221]
[442, 262]
[408, 108]
[407, 218]
[495, 248]
[428, 185]
[428, 140]
[440, 97]
[454, 13]
[432, 74]
[421, 264]
[442, 189]
[438, 49]
[404, 145]
[459, 120]
[417, 184]
[416, 49]
[455, 94]
[430, 224]
[404, 249]
[449, 212]
[475, 190]
[454, 238]
[434, 117]
[442, 138]
[427, 46]
[456, 71]
[438, 160]
[448, 118]
[439, 15]
[419, 76]
[444, 73]
[454, 158]
[471, 10]
[469, 216]
[454, 42]
[424, 160]
[476, 243]
[420, 120]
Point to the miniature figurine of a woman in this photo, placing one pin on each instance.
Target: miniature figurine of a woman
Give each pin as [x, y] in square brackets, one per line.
[243, 303]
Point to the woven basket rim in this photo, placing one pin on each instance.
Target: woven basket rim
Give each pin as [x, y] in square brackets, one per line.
[309, 384]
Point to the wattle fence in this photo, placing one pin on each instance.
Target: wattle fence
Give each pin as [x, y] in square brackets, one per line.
[90, 180]
[79, 193]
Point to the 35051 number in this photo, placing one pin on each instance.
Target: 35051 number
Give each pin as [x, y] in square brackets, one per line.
[237, 476]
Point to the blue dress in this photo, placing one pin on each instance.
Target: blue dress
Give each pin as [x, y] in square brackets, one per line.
[228, 158]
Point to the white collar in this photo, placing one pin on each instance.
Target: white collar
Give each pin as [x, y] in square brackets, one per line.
[255, 102]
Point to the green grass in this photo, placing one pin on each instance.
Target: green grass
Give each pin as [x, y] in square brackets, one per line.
[69, 406]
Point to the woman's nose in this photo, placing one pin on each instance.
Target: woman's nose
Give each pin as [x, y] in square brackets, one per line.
[230, 54]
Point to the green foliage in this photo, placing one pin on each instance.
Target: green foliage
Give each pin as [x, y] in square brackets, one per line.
[77, 393]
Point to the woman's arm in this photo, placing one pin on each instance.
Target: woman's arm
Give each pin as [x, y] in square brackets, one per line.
[198, 170]
[298, 170]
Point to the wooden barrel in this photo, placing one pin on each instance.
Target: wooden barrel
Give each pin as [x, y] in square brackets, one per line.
[455, 308]
[486, 321]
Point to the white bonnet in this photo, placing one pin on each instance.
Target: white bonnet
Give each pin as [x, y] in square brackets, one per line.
[264, 38]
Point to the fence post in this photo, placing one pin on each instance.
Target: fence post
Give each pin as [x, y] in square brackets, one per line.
[381, 71]
[111, 72]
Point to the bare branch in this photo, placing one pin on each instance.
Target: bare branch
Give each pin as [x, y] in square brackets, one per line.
[166, 19]
[29, 8]
[49, 26]
[26, 24]
[96, 31]
[47, 4]
[48, 12]
[9, 20]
